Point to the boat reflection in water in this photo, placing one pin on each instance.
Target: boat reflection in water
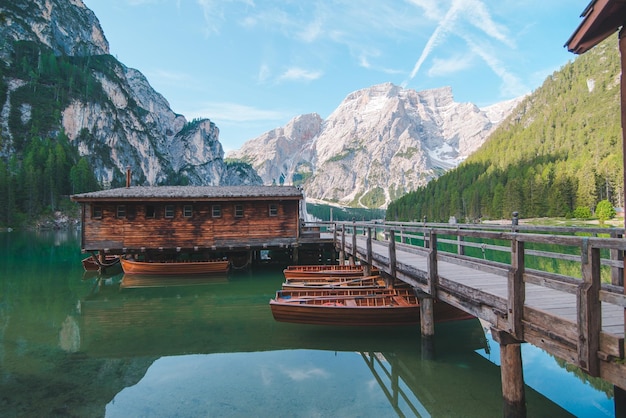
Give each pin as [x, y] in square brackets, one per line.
[130, 281]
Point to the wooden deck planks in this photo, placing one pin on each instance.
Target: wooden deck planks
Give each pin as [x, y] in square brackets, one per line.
[550, 301]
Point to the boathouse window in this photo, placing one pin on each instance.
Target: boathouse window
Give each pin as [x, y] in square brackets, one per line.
[238, 211]
[131, 212]
[273, 209]
[216, 211]
[169, 211]
[187, 211]
[97, 212]
[121, 211]
[150, 212]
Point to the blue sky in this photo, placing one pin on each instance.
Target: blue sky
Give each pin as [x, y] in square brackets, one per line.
[252, 65]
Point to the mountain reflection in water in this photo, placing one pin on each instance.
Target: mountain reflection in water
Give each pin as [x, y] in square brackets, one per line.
[209, 347]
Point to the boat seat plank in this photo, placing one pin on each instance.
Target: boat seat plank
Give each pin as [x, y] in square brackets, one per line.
[400, 300]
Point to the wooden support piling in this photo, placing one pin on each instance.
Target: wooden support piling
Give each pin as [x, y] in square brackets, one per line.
[427, 316]
[512, 375]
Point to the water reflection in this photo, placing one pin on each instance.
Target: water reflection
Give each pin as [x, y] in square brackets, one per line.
[130, 281]
[74, 346]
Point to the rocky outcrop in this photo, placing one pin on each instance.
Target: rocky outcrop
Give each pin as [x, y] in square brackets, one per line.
[380, 143]
[67, 27]
[283, 153]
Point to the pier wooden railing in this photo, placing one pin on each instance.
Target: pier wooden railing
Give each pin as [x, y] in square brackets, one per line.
[429, 256]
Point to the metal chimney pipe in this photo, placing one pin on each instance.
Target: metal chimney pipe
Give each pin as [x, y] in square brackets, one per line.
[127, 176]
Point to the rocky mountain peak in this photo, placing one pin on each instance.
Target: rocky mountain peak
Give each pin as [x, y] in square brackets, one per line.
[380, 143]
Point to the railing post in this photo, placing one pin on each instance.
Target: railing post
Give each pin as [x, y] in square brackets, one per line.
[459, 238]
[589, 310]
[342, 252]
[335, 239]
[516, 290]
[515, 221]
[433, 276]
[353, 257]
[368, 265]
[392, 254]
[617, 273]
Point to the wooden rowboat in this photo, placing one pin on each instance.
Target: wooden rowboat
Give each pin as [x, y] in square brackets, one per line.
[174, 267]
[92, 264]
[369, 310]
[361, 282]
[325, 270]
[356, 307]
[342, 292]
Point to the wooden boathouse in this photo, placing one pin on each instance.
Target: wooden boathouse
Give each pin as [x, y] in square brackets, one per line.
[196, 221]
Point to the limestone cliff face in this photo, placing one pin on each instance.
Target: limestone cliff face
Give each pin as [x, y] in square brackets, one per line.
[133, 125]
[380, 143]
[67, 27]
[137, 128]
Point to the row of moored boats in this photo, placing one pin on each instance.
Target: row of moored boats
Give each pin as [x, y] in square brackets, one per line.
[342, 295]
[315, 294]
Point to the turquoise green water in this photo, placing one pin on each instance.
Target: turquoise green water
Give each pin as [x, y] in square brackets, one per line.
[78, 346]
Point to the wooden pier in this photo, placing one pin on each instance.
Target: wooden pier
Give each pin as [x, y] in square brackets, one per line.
[575, 317]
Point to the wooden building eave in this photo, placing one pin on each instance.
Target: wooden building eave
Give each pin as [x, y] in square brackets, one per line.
[601, 18]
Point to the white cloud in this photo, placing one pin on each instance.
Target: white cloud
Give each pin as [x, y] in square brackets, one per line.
[214, 12]
[264, 73]
[476, 14]
[443, 27]
[312, 31]
[430, 8]
[304, 374]
[233, 112]
[167, 77]
[299, 74]
[511, 85]
[444, 67]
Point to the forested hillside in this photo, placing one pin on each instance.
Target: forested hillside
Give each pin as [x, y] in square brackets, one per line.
[559, 153]
[39, 166]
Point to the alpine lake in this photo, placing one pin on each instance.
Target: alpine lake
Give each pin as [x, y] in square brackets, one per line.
[77, 344]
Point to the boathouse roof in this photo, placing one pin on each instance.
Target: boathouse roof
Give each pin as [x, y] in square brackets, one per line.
[141, 193]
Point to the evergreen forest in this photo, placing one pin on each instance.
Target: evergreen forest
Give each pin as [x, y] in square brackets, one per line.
[557, 155]
[39, 167]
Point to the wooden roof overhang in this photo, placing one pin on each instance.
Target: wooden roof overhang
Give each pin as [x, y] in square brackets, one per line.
[601, 18]
[191, 194]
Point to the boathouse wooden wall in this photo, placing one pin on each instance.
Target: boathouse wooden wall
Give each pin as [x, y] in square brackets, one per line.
[136, 232]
